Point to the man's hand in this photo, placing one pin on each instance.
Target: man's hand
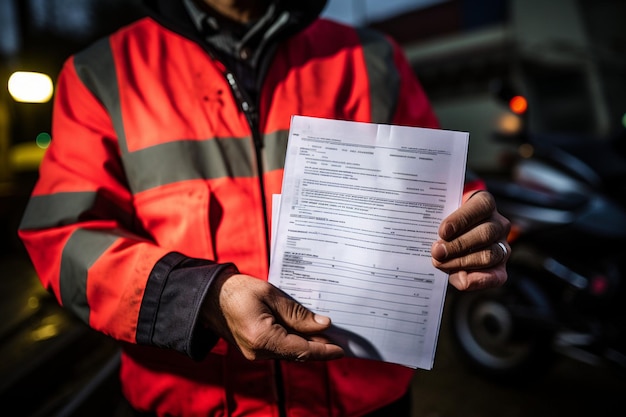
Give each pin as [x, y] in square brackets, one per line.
[472, 247]
[264, 322]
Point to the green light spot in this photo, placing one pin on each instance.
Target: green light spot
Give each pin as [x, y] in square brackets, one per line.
[624, 120]
[43, 140]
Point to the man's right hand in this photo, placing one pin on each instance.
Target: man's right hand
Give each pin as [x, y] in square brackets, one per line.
[264, 322]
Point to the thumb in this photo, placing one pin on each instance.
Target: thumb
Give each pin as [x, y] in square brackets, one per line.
[295, 316]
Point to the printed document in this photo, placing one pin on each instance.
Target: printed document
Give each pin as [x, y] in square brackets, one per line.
[360, 208]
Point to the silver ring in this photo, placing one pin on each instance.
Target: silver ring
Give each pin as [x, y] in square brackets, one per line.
[504, 249]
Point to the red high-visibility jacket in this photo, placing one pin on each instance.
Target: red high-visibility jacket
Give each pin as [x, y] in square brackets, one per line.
[153, 178]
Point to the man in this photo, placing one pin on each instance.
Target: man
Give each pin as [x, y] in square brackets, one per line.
[150, 218]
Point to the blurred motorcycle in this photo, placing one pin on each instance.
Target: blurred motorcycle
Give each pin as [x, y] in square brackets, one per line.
[566, 200]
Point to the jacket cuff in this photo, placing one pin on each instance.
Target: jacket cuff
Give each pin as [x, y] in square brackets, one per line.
[169, 316]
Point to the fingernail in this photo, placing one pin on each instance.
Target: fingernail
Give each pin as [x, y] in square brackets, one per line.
[439, 251]
[449, 231]
[321, 319]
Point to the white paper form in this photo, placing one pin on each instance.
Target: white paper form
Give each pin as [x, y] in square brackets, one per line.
[360, 208]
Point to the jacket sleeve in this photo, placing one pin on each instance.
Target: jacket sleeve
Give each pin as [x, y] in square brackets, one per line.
[86, 247]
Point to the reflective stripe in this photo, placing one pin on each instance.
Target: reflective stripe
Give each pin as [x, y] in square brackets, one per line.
[56, 209]
[61, 209]
[206, 159]
[156, 166]
[81, 251]
[382, 73]
[187, 159]
[95, 67]
[275, 150]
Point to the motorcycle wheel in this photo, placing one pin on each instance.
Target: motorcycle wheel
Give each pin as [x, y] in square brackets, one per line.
[494, 340]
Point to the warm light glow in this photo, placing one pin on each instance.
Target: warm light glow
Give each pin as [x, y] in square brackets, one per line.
[526, 150]
[51, 326]
[33, 302]
[30, 87]
[509, 124]
[518, 105]
[514, 233]
[45, 332]
[25, 156]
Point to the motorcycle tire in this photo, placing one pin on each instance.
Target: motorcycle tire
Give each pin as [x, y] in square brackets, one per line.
[494, 340]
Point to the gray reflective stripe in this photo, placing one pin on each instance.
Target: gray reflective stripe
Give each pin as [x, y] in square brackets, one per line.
[61, 209]
[206, 159]
[187, 159]
[56, 209]
[382, 73]
[275, 150]
[81, 251]
[96, 69]
[153, 167]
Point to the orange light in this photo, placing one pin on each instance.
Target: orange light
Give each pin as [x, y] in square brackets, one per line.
[518, 104]
[514, 233]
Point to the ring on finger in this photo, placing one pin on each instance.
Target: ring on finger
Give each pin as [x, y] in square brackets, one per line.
[505, 251]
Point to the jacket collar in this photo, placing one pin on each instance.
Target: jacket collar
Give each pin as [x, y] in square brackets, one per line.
[293, 15]
[247, 54]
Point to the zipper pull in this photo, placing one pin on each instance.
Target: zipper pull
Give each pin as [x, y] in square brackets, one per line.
[245, 105]
[247, 108]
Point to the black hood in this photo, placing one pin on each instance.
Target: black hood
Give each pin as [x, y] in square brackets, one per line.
[172, 14]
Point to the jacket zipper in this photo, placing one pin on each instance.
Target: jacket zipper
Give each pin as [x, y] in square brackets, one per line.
[252, 116]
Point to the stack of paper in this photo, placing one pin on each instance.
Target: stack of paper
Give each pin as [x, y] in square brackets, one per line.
[360, 207]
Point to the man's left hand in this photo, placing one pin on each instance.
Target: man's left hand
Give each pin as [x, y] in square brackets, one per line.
[472, 247]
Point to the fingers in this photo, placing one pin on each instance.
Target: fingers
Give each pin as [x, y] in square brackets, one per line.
[265, 323]
[478, 208]
[477, 280]
[488, 257]
[298, 331]
[270, 338]
[294, 315]
[472, 247]
[276, 342]
[478, 270]
[475, 226]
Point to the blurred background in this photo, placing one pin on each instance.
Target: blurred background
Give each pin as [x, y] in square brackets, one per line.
[541, 88]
